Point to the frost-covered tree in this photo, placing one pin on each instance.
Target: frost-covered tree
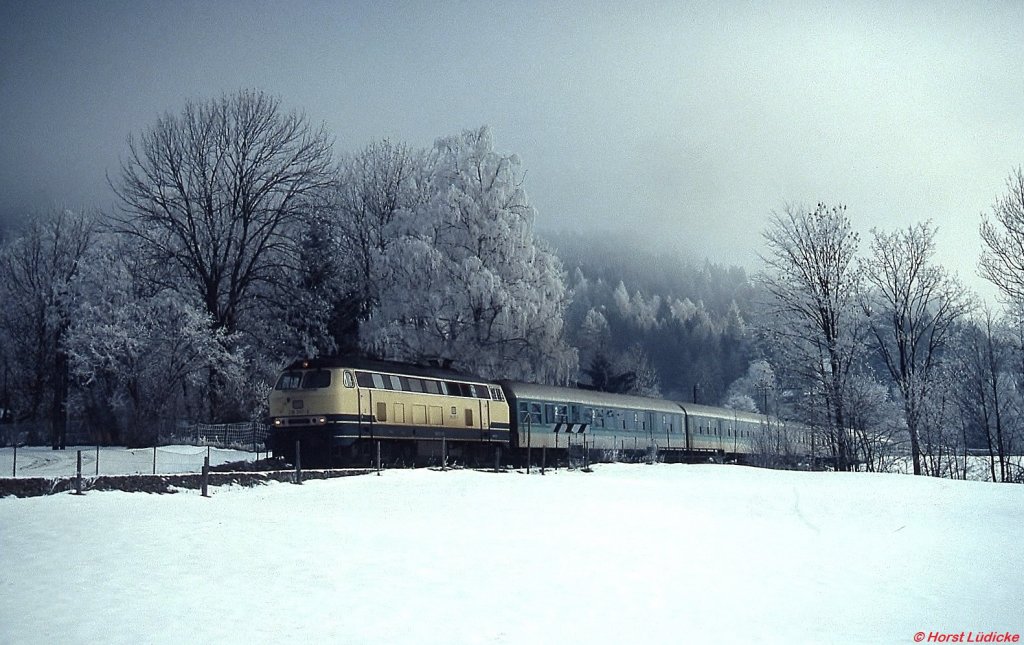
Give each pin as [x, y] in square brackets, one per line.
[876, 423]
[38, 269]
[912, 308]
[813, 316]
[1002, 236]
[135, 351]
[464, 280]
[376, 193]
[752, 391]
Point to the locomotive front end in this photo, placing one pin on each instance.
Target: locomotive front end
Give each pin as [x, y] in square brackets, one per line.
[307, 401]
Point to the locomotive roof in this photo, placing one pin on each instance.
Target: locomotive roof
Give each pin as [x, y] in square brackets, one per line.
[596, 398]
[390, 367]
[588, 397]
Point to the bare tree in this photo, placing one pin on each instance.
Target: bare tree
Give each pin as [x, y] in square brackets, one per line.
[984, 393]
[815, 282]
[216, 198]
[215, 192]
[912, 308]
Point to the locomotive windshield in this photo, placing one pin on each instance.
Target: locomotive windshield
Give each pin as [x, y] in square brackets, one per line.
[304, 380]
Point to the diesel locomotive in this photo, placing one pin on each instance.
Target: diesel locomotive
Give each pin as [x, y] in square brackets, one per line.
[345, 410]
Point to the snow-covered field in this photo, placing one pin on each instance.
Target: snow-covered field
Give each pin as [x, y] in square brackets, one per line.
[628, 553]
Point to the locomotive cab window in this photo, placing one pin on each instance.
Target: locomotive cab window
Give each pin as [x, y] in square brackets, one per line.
[315, 380]
[348, 379]
[289, 381]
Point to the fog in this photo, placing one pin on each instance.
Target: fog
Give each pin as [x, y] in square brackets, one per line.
[689, 123]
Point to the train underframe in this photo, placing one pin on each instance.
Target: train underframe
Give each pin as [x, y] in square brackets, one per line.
[319, 447]
[325, 447]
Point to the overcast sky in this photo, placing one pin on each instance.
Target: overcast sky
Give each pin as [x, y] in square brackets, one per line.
[692, 121]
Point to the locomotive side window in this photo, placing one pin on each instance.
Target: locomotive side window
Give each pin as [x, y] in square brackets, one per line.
[315, 380]
[432, 387]
[364, 379]
[453, 389]
[378, 381]
[348, 379]
[289, 381]
[396, 384]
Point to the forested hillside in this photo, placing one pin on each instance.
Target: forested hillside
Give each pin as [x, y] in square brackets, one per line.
[678, 324]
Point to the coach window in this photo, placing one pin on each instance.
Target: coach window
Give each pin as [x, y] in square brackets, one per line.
[561, 414]
[349, 382]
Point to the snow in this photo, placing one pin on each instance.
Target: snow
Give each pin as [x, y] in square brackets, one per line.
[628, 553]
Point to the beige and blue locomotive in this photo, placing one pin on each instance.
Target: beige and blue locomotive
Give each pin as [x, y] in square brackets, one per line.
[338, 410]
[345, 410]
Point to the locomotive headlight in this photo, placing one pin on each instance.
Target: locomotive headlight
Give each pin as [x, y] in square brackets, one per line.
[277, 422]
[323, 419]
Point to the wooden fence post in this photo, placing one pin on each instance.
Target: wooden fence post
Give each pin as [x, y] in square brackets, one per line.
[206, 475]
[378, 459]
[298, 462]
[78, 476]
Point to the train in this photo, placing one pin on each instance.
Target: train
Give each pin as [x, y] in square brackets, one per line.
[353, 411]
